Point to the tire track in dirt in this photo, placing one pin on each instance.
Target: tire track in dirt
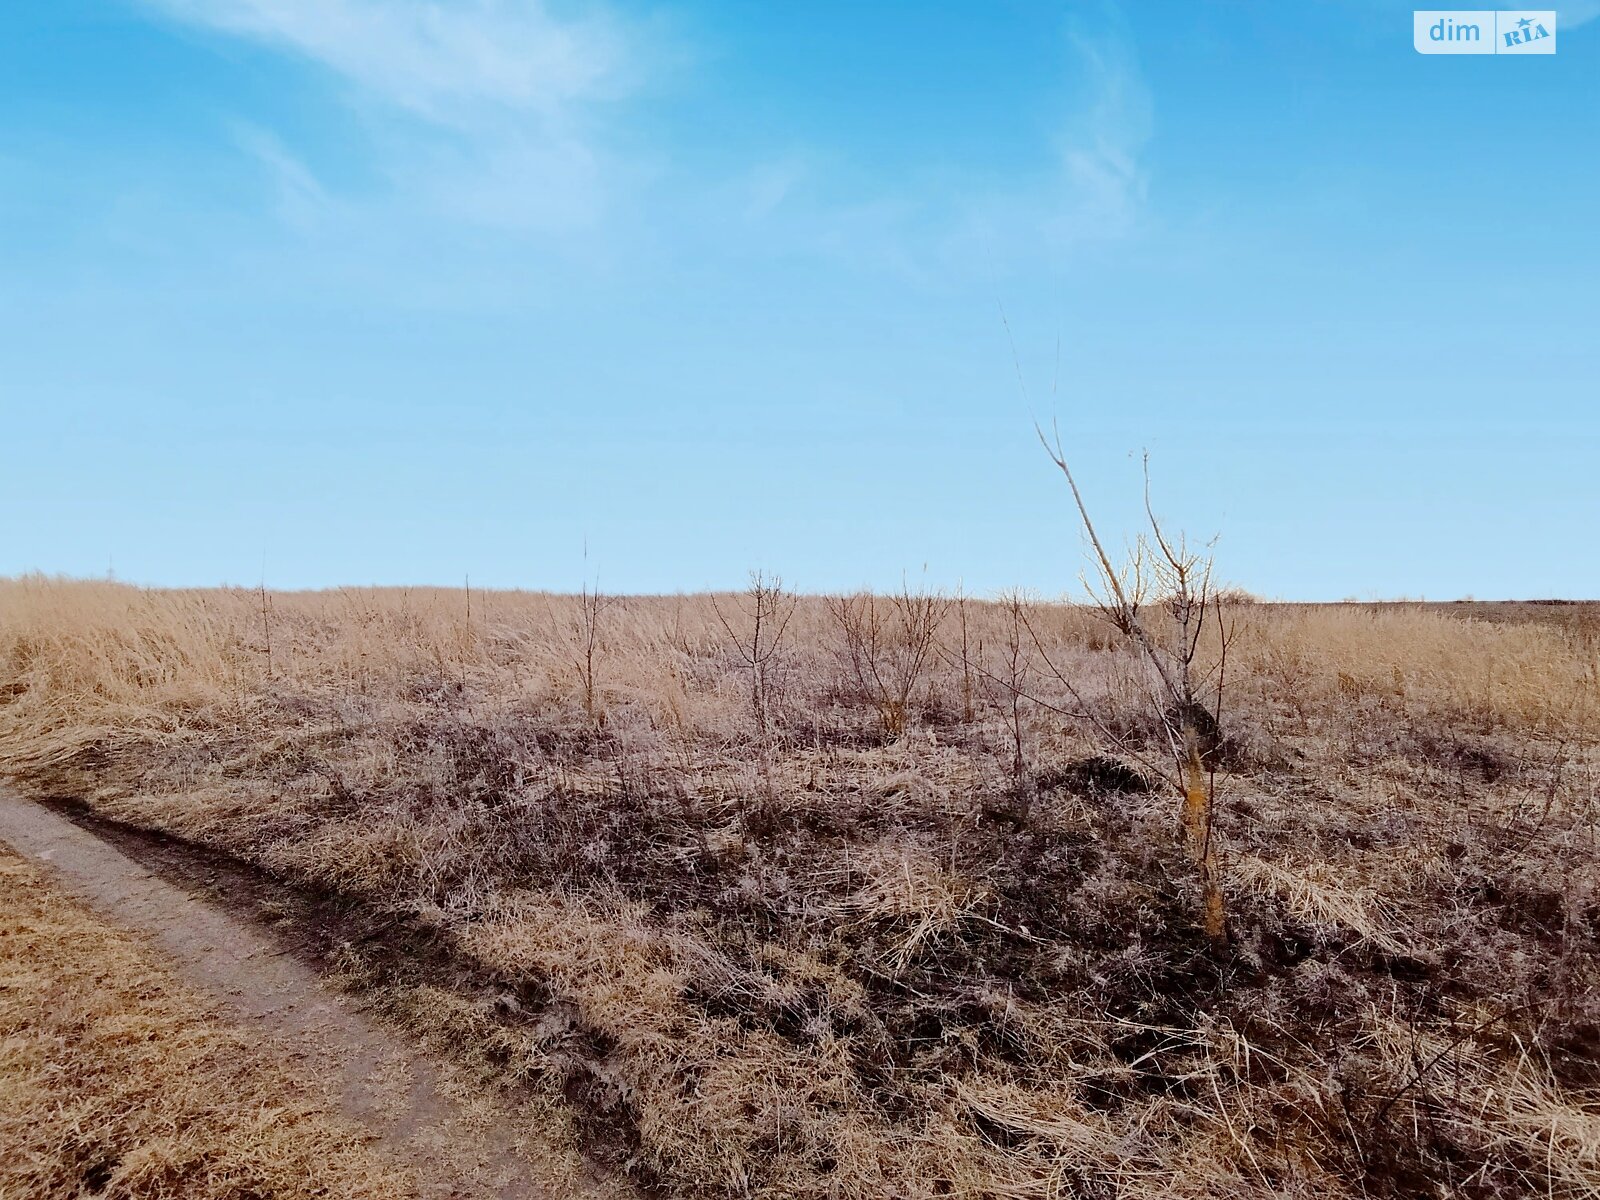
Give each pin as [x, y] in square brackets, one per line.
[380, 1079]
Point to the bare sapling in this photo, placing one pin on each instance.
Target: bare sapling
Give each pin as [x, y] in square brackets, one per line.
[1011, 683]
[592, 605]
[888, 645]
[767, 609]
[1161, 602]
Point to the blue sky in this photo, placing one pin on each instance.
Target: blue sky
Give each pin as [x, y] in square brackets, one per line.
[381, 291]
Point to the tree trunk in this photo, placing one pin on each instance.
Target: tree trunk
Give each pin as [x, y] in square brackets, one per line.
[1197, 835]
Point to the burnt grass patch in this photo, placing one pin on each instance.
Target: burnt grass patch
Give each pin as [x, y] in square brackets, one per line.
[1064, 903]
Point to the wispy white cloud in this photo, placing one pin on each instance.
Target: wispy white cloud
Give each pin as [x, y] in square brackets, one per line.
[1104, 180]
[943, 226]
[301, 198]
[770, 184]
[501, 113]
[1091, 184]
[487, 109]
[442, 60]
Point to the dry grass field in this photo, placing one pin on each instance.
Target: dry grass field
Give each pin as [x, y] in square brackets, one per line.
[874, 908]
[118, 1081]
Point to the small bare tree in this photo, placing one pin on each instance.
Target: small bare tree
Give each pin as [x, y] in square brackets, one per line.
[1160, 601]
[768, 608]
[888, 643]
[592, 606]
[1010, 684]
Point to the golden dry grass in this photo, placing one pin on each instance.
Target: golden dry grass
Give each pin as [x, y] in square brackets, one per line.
[821, 960]
[118, 1081]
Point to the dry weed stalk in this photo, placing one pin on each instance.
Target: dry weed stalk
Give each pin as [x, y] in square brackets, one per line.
[968, 713]
[266, 626]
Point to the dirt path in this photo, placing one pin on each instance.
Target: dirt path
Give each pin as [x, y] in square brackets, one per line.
[381, 1079]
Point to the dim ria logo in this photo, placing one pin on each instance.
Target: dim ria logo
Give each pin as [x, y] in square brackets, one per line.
[1484, 32]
